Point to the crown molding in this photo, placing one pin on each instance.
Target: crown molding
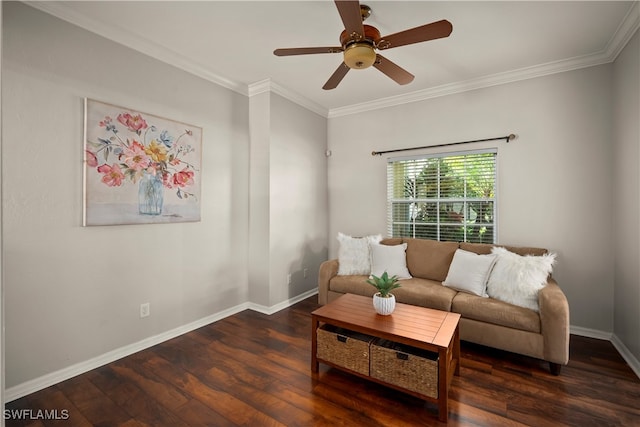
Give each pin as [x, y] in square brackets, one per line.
[267, 85]
[473, 84]
[618, 41]
[626, 30]
[259, 87]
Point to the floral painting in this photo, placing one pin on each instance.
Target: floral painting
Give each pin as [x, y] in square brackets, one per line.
[139, 168]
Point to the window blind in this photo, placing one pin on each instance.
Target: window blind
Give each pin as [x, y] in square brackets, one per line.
[448, 197]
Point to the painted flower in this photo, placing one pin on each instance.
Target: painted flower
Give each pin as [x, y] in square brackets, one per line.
[166, 138]
[156, 151]
[112, 175]
[107, 123]
[92, 159]
[151, 150]
[135, 123]
[135, 157]
[183, 178]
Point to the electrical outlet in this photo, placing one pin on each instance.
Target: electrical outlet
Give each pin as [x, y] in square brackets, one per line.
[289, 279]
[305, 272]
[145, 310]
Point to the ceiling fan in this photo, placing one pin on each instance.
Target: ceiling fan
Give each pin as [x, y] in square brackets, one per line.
[359, 43]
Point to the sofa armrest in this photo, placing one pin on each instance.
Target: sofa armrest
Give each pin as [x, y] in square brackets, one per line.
[554, 318]
[328, 269]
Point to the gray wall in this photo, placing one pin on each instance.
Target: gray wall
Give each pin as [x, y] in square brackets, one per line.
[288, 208]
[626, 190]
[73, 293]
[554, 180]
[298, 192]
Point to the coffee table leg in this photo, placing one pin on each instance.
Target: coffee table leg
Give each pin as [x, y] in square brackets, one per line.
[443, 385]
[456, 350]
[314, 344]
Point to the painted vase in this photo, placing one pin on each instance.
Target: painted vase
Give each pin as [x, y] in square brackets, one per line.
[150, 194]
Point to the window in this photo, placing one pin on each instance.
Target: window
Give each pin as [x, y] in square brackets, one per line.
[449, 197]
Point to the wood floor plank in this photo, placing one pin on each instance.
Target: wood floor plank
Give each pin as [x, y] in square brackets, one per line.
[253, 369]
[235, 410]
[267, 403]
[196, 414]
[94, 405]
[122, 385]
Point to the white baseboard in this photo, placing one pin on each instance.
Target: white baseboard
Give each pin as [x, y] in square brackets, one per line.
[626, 354]
[282, 305]
[56, 377]
[590, 333]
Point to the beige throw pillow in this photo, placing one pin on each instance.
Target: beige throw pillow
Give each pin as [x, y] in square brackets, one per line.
[392, 259]
[469, 272]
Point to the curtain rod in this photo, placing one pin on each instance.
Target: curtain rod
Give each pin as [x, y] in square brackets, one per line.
[507, 138]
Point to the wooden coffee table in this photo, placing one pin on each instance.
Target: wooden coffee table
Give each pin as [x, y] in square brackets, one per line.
[419, 327]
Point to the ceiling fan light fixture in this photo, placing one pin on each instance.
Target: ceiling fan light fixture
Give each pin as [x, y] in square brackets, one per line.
[359, 56]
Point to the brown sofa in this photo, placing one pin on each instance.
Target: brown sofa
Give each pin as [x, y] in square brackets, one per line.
[486, 321]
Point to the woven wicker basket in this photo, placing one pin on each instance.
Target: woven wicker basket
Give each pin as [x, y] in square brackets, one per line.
[344, 348]
[405, 366]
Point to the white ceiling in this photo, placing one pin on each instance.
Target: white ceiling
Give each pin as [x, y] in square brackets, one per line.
[232, 43]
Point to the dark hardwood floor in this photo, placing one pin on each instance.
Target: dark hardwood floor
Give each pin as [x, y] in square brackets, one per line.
[254, 370]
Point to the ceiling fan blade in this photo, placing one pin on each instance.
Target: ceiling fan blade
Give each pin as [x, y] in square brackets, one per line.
[351, 18]
[435, 30]
[395, 72]
[336, 77]
[307, 50]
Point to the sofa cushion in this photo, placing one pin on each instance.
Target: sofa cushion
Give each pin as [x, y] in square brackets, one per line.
[429, 259]
[425, 293]
[485, 248]
[353, 284]
[491, 310]
[422, 292]
[392, 241]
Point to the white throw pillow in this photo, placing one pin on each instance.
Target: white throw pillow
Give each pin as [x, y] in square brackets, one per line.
[392, 259]
[353, 254]
[469, 272]
[517, 279]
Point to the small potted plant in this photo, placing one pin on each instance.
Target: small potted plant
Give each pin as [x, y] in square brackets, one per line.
[384, 301]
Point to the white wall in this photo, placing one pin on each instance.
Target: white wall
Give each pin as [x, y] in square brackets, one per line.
[554, 180]
[73, 293]
[298, 198]
[259, 219]
[626, 189]
[288, 207]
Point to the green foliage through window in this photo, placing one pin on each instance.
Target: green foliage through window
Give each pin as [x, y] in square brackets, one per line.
[449, 197]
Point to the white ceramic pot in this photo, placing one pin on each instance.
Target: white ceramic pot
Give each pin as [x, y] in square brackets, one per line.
[384, 306]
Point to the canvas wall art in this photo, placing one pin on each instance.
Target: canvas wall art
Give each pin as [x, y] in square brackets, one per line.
[139, 168]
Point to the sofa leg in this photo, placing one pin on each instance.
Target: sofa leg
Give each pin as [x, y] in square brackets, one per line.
[555, 368]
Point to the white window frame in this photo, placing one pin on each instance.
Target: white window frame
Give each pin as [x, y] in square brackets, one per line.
[439, 201]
